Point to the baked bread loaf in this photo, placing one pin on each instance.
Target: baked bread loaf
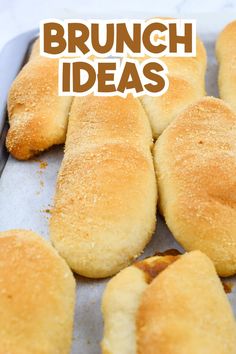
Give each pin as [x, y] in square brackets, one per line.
[105, 202]
[37, 295]
[196, 167]
[168, 304]
[37, 115]
[226, 55]
[35, 50]
[186, 85]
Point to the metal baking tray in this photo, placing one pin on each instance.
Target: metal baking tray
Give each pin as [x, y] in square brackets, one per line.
[27, 188]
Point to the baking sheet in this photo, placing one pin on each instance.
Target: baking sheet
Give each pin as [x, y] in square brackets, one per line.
[26, 194]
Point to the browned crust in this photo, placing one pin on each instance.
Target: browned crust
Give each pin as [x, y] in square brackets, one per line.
[37, 115]
[186, 85]
[195, 164]
[226, 55]
[185, 310]
[120, 304]
[225, 45]
[37, 296]
[182, 310]
[153, 266]
[105, 201]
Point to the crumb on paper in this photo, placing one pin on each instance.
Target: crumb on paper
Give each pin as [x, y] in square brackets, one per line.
[42, 164]
[47, 210]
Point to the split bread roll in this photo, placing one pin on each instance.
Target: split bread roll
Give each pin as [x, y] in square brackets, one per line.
[37, 115]
[168, 304]
[186, 85]
[37, 295]
[226, 55]
[195, 162]
[105, 202]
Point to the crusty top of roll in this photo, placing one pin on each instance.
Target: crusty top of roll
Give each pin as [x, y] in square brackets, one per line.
[35, 52]
[225, 45]
[105, 202]
[37, 293]
[226, 55]
[121, 300]
[31, 90]
[96, 120]
[185, 310]
[36, 114]
[38, 117]
[180, 309]
[195, 160]
[186, 85]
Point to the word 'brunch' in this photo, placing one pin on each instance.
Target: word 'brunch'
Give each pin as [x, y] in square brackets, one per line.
[115, 57]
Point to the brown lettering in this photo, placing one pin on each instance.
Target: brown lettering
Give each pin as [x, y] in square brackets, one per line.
[66, 77]
[123, 37]
[150, 71]
[155, 49]
[77, 41]
[175, 39]
[104, 76]
[50, 38]
[78, 66]
[105, 48]
[130, 71]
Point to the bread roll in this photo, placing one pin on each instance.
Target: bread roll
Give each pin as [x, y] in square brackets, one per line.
[186, 85]
[105, 202]
[37, 115]
[226, 55]
[35, 50]
[169, 304]
[37, 295]
[196, 171]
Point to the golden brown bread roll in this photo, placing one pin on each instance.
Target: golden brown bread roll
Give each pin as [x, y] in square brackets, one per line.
[35, 50]
[186, 85]
[37, 115]
[196, 164]
[37, 295]
[226, 55]
[168, 304]
[105, 202]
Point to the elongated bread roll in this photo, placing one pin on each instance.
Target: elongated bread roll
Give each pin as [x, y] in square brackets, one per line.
[37, 115]
[35, 50]
[169, 304]
[186, 85]
[106, 194]
[37, 295]
[226, 55]
[195, 161]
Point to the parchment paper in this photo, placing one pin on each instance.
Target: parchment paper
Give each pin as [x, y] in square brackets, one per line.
[26, 192]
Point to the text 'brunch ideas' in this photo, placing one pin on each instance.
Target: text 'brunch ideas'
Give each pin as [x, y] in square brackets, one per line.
[115, 57]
